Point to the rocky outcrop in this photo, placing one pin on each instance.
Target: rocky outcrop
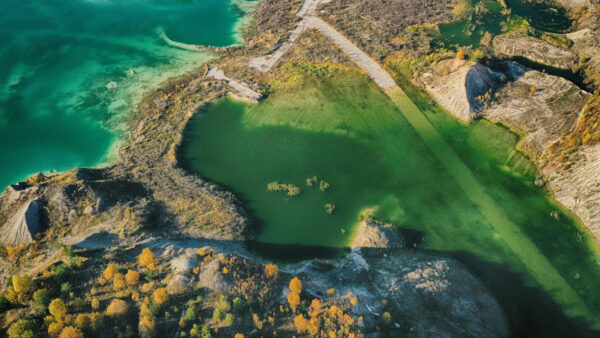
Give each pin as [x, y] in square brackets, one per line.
[578, 188]
[574, 4]
[372, 234]
[445, 82]
[542, 106]
[535, 50]
[586, 43]
[461, 87]
[23, 225]
[433, 296]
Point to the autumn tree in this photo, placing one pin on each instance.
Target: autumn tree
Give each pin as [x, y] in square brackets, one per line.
[160, 296]
[146, 259]
[294, 300]
[118, 281]
[296, 285]
[301, 324]
[109, 272]
[315, 308]
[460, 55]
[57, 309]
[21, 328]
[95, 303]
[117, 307]
[83, 321]
[71, 332]
[147, 323]
[132, 277]
[532, 90]
[54, 329]
[21, 284]
[271, 271]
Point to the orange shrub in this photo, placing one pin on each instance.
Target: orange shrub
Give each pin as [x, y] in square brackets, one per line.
[271, 271]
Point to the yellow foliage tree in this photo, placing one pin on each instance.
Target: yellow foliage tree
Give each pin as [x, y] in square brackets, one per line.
[97, 319]
[83, 321]
[57, 309]
[54, 329]
[117, 307]
[532, 91]
[315, 308]
[71, 332]
[460, 55]
[301, 324]
[271, 271]
[238, 335]
[146, 259]
[95, 303]
[132, 277]
[147, 322]
[296, 285]
[294, 300]
[160, 296]
[109, 272]
[118, 281]
[21, 284]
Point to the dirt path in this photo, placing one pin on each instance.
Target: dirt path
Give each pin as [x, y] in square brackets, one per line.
[265, 63]
[243, 90]
[380, 76]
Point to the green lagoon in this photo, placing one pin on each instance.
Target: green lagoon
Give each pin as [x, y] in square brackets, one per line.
[66, 86]
[345, 130]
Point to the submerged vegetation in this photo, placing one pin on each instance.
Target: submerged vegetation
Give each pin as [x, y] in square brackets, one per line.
[291, 189]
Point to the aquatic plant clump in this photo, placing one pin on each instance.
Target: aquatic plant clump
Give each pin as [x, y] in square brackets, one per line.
[329, 207]
[291, 189]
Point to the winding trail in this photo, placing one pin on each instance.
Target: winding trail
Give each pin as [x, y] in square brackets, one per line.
[529, 254]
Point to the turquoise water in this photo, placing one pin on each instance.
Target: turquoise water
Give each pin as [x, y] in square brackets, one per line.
[65, 82]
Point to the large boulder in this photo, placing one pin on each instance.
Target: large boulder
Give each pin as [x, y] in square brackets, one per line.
[372, 234]
[23, 225]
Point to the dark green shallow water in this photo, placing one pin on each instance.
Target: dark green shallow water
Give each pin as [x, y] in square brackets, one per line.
[469, 31]
[58, 56]
[347, 132]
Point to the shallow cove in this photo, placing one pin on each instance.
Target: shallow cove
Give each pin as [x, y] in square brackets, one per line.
[345, 130]
[470, 30]
[65, 82]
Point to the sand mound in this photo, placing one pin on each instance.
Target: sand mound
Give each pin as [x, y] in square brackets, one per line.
[23, 226]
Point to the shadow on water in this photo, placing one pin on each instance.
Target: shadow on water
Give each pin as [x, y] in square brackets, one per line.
[293, 253]
[530, 311]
